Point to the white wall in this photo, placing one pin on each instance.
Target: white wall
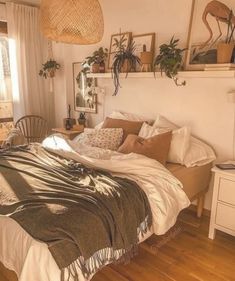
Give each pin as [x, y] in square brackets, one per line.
[201, 104]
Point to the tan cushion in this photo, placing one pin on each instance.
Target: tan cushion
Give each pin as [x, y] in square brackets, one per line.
[129, 127]
[156, 147]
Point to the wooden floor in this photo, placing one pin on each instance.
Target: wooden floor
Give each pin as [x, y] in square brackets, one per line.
[183, 254]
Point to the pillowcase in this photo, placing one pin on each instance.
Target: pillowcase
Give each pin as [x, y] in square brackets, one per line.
[129, 127]
[156, 147]
[103, 138]
[162, 122]
[125, 116]
[179, 144]
[198, 154]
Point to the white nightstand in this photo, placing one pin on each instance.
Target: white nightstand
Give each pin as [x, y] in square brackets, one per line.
[223, 202]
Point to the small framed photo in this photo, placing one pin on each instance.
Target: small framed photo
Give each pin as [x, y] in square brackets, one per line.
[124, 39]
[147, 40]
[207, 28]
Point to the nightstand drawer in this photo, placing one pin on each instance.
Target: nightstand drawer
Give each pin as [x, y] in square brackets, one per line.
[225, 216]
[227, 191]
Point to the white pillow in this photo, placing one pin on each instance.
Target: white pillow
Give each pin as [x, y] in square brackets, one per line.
[179, 143]
[198, 154]
[162, 122]
[125, 116]
[110, 138]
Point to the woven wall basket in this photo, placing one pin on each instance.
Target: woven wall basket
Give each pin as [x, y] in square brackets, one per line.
[72, 21]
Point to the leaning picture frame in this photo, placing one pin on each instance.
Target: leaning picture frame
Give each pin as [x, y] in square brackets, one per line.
[113, 49]
[204, 32]
[85, 97]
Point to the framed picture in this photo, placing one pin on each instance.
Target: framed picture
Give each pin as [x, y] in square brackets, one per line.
[124, 38]
[147, 39]
[207, 27]
[85, 97]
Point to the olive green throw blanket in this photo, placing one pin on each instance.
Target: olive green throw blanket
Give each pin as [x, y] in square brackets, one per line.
[87, 217]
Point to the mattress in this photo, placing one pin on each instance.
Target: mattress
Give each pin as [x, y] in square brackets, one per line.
[195, 180]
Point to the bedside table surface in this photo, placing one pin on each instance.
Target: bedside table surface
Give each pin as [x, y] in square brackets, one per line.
[225, 172]
[66, 132]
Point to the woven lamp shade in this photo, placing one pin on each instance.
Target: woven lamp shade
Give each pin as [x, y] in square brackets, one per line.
[72, 21]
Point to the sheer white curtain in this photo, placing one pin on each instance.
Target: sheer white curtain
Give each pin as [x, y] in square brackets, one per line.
[28, 50]
[3, 89]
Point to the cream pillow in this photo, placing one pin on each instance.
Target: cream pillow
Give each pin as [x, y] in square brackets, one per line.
[103, 138]
[179, 143]
[198, 154]
[125, 116]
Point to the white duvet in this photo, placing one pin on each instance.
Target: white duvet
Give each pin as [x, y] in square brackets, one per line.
[31, 259]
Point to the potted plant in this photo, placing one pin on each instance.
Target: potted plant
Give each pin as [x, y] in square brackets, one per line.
[124, 61]
[225, 49]
[97, 60]
[49, 68]
[170, 60]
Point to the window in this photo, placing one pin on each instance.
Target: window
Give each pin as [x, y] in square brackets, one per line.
[6, 108]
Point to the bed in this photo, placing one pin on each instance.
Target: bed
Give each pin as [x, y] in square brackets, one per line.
[195, 182]
[146, 172]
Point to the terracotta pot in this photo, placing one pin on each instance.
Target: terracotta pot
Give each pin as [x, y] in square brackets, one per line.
[102, 67]
[146, 57]
[51, 73]
[126, 67]
[95, 68]
[224, 52]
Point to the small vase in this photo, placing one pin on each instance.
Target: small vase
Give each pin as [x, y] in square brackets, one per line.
[146, 57]
[224, 52]
[95, 68]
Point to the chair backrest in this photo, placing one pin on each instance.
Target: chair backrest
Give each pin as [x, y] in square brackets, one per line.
[33, 127]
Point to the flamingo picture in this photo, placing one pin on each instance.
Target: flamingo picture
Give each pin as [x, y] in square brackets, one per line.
[221, 13]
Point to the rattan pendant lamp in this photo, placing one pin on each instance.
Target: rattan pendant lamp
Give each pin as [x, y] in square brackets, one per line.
[72, 21]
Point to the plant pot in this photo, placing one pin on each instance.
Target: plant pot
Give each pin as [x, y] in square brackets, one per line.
[224, 52]
[102, 67]
[146, 57]
[95, 68]
[126, 66]
[51, 73]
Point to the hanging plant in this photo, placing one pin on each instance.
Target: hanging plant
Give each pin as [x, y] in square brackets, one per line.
[49, 68]
[124, 61]
[170, 60]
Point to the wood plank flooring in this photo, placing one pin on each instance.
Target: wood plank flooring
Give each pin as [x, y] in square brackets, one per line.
[183, 254]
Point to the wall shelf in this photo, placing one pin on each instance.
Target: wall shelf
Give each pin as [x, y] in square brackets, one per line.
[182, 74]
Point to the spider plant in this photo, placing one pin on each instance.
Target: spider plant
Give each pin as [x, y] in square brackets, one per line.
[170, 60]
[124, 61]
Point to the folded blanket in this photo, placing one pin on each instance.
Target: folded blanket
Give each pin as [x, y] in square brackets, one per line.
[87, 217]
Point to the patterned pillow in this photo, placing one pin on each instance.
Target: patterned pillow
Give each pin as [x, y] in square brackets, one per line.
[103, 138]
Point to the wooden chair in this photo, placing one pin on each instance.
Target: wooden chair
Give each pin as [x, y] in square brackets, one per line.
[33, 127]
